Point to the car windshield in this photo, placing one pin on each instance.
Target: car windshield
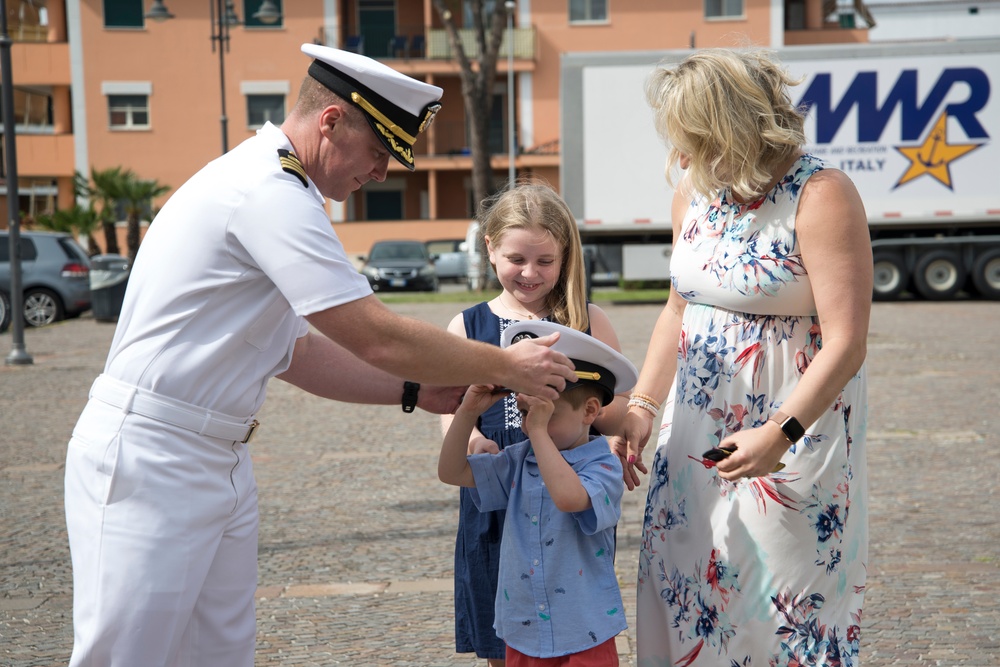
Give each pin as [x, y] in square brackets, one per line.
[398, 251]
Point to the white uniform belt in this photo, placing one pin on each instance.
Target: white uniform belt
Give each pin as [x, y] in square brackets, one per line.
[172, 411]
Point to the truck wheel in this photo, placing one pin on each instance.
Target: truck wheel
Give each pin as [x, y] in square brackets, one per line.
[890, 276]
[939, 275]
[986, 274]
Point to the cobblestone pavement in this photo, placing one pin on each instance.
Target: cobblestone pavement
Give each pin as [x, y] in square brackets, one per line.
[357, 533]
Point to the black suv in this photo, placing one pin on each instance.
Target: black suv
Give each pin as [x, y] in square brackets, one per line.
[55, 277]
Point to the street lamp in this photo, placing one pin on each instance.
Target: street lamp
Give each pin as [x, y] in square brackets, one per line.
[512, 140]
[18, 355]
[222, 15]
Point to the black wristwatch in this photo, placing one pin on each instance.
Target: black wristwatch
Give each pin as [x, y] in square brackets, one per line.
[410, 391]
[790, 426]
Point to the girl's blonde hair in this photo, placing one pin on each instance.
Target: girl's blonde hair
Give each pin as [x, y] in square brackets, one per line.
[537, 207]
[730, 113]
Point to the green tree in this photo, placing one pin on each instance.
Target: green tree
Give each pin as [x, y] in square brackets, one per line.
[119, 184]
[103, 193]
[138, 195]
[76, 220]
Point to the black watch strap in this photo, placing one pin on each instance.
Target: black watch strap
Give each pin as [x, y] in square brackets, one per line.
[790, 426]
[410, 391]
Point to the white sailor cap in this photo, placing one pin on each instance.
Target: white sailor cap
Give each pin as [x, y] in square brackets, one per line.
[595, 361]
[397, 107]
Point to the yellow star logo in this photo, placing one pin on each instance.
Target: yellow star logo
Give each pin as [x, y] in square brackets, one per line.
[935, 155]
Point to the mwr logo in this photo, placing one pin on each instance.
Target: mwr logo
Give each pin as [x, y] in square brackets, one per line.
[923, 123]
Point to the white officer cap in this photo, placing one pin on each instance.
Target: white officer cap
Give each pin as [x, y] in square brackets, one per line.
[397, 107]
[595, 361]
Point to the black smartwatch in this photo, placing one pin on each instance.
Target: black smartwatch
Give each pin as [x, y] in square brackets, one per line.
[410, 391]
[790, 426]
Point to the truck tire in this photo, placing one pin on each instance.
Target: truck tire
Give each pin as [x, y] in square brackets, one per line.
[891, 276]
[939, 275]
[986, 274]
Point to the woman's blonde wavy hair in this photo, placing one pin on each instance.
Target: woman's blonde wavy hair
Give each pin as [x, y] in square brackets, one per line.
[730, 113]
[538, 208]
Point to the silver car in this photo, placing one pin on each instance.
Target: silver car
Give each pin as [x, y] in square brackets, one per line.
[55, 276]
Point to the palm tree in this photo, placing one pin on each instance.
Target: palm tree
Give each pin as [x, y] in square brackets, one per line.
[75, 220]
[119, 184]
[138, 194]
[104, 190]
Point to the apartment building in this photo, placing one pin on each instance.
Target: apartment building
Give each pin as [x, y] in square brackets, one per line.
[164, 86]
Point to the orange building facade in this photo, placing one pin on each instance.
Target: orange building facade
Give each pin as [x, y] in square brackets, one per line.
[100, 84]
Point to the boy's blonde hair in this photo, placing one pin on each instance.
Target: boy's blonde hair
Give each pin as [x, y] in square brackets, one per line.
[537, 207]
[730, 113]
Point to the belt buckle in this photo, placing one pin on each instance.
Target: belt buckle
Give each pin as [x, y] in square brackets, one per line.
[251, 431]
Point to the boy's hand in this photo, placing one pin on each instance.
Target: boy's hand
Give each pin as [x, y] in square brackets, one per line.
[479, 397]
[483, 445]
[535, 413]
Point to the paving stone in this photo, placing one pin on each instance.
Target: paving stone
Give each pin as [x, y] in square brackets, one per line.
[357, 535]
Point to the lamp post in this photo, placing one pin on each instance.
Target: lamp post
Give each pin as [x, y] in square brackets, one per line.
[17, 355]
[222, 15]
[511, 139]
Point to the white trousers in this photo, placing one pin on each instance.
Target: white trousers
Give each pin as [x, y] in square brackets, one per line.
[162, 529]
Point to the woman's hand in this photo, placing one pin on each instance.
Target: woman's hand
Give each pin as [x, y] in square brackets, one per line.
[758, 452]
[628, 445]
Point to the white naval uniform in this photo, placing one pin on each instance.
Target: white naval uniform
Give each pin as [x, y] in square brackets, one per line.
[162, 520]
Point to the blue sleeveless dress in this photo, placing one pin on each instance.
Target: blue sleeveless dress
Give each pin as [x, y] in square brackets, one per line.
[477, 545]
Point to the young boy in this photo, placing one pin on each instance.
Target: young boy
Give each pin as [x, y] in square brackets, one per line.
[558, 601]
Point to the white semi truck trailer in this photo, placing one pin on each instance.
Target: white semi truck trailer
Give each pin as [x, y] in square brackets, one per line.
[911, 123]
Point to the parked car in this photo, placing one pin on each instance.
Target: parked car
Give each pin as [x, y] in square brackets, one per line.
[4, 312]
[451, 261]
[400, 265]
[55, 276]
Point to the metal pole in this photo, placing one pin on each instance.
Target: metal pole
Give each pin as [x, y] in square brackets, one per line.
[512, 139]
[222, 36]
[18, 355]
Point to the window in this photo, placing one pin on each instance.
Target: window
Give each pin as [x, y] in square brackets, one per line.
[384, 205]
[128, 112]
[588, 10]
[385, 200]
[716, 9]
[251, 7]
[263, 109]
[32, 109]
[123, 14]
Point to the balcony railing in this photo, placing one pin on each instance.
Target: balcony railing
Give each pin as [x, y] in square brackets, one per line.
[439, 46]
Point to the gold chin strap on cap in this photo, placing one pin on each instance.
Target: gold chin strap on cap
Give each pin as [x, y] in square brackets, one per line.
[587, 375]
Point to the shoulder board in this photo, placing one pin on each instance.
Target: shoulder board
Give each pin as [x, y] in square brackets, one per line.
[291, 164]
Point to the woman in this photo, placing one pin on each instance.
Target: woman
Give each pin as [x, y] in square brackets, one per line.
[759, 353]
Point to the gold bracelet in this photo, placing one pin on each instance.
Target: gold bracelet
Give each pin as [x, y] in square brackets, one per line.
[643, 404]
[647, 398]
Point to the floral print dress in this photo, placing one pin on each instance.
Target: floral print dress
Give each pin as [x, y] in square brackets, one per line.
[770, 570]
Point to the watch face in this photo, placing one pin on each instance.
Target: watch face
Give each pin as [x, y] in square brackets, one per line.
[793, 429]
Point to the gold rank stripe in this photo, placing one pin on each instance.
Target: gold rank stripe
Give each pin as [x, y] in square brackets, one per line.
[290, 163]
[382, 118]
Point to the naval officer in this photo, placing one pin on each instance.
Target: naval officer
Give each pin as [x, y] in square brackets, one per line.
[161, 502]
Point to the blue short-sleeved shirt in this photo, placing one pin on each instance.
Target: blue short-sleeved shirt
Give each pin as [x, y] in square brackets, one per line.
[558, 592]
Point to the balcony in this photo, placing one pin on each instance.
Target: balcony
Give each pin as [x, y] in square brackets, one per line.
[439, 46]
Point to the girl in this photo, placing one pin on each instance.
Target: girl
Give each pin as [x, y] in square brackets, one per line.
[534, 246]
